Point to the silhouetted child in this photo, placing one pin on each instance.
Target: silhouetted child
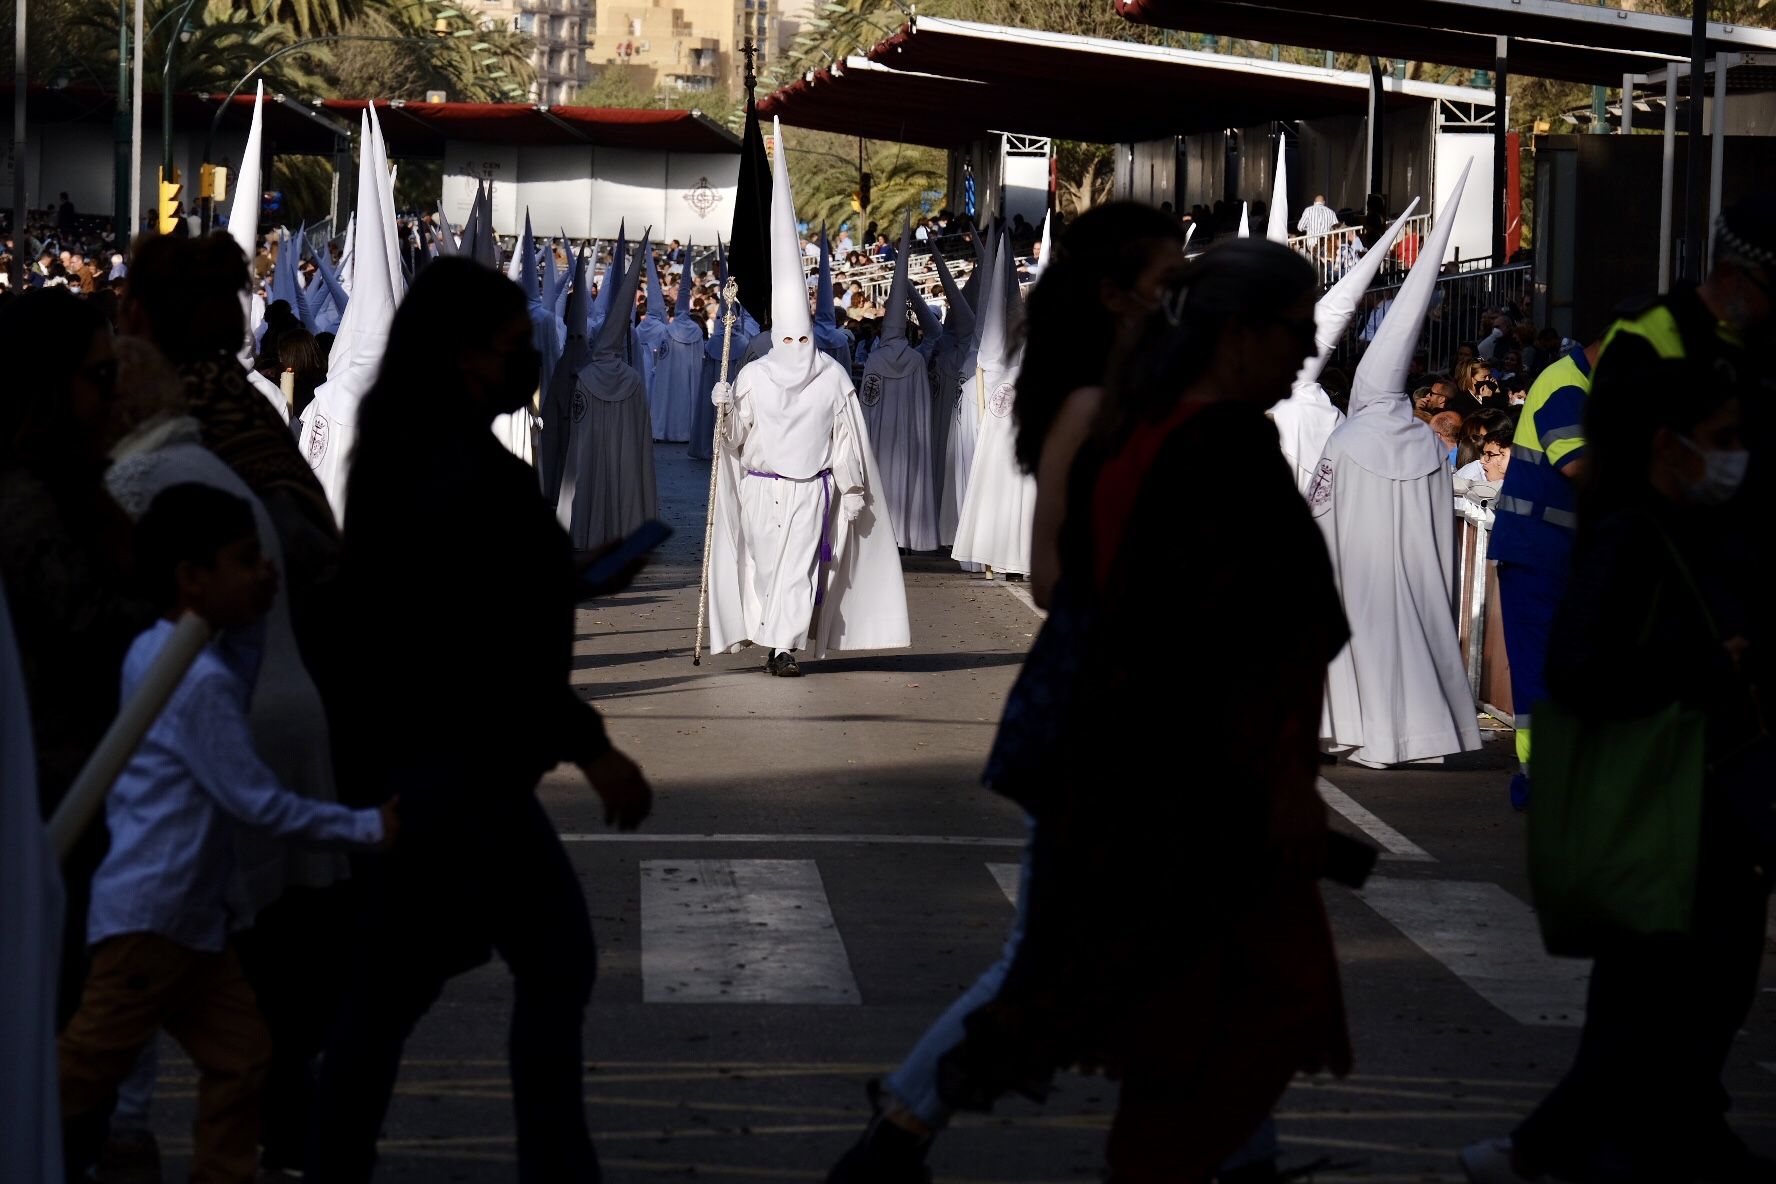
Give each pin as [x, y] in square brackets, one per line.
[158, 926]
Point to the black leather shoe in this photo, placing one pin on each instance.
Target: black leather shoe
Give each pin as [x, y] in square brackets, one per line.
[787, 666]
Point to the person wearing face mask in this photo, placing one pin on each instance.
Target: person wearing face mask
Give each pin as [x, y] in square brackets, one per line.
[803, 552]
[1663, 600]
[434, 496]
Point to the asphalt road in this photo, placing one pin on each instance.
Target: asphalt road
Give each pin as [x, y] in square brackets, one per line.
[823, 874]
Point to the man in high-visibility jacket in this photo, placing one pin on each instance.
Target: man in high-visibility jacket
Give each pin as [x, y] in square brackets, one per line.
[1534, 521]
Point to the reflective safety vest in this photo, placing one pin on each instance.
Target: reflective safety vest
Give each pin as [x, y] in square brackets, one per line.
[1536, 512]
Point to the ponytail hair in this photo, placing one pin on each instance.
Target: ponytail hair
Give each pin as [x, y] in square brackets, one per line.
[1068, 333]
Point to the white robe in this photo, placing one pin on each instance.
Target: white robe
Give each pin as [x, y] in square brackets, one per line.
[1304, 422]
[965, 417]
[610, 455]
[998, 514]
[30, 942]
[1399, 691]
[946, 385]
[765, 573]
[896, 399]
[678, 373]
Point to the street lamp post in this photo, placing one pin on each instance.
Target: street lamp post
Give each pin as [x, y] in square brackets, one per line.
[122, 133]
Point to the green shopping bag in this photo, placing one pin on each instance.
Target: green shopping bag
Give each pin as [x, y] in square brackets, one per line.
[1615, 829]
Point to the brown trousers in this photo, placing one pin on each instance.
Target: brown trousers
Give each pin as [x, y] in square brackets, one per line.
[141, 983]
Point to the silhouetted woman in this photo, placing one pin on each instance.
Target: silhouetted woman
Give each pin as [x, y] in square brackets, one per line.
[460, 589]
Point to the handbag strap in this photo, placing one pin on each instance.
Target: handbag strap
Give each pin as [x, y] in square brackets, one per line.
[1689, 579]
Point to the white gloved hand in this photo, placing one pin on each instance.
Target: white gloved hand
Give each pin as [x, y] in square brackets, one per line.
[721, 394]
[851, 505]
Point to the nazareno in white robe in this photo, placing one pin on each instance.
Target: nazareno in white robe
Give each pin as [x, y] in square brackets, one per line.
[612, 451]
[1304, 422]
[678, 373]
[768, 582]
[1399, 691]
[896, 399]
[965, 416]
[998, 514]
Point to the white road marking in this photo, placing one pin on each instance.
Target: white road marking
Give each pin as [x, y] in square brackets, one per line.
[1007, 875]
[740, 931]
[1394, 845]
[887, 840]
[1489, 939]
[1021, 590]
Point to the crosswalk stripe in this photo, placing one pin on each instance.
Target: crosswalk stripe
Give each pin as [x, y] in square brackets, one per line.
[1489, 939]
[740, 931]
[1007, 876]
[1394, 845]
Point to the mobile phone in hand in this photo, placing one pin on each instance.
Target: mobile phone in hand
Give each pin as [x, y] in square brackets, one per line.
[642, 540]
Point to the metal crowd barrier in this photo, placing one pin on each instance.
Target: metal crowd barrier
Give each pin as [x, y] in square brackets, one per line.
[1478, 623]
[1462, 295]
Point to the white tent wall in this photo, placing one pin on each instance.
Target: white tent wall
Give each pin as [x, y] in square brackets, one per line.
[1026, 182]
[552, 187]
[1472, 237]
[588, 191]
[467, 164]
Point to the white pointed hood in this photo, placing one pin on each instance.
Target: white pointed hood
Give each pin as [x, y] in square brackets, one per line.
[793, 360]
[1245, 219]
[1381, 433]
[330, 425]
[1334, 311]
[994, 354]
[391, 237]
[243, 211]
[1307, 418]
[1276, 229]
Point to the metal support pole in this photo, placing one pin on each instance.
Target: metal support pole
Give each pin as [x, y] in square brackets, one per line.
[21, 239]
[1599, 110]
[1695, 202]
[1717, 143]
[1627, 104]
[1667, 174]
[135, 197]
[121, 123]
[1501, 132]
[1377, 143]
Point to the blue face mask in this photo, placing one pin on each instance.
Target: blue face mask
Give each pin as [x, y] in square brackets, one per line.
[1723, 473]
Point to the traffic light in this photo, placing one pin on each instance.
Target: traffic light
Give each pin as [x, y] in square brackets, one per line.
[171, 194]
[213, 182]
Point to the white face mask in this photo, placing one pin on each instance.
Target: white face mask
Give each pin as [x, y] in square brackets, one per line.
[1722, 474]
